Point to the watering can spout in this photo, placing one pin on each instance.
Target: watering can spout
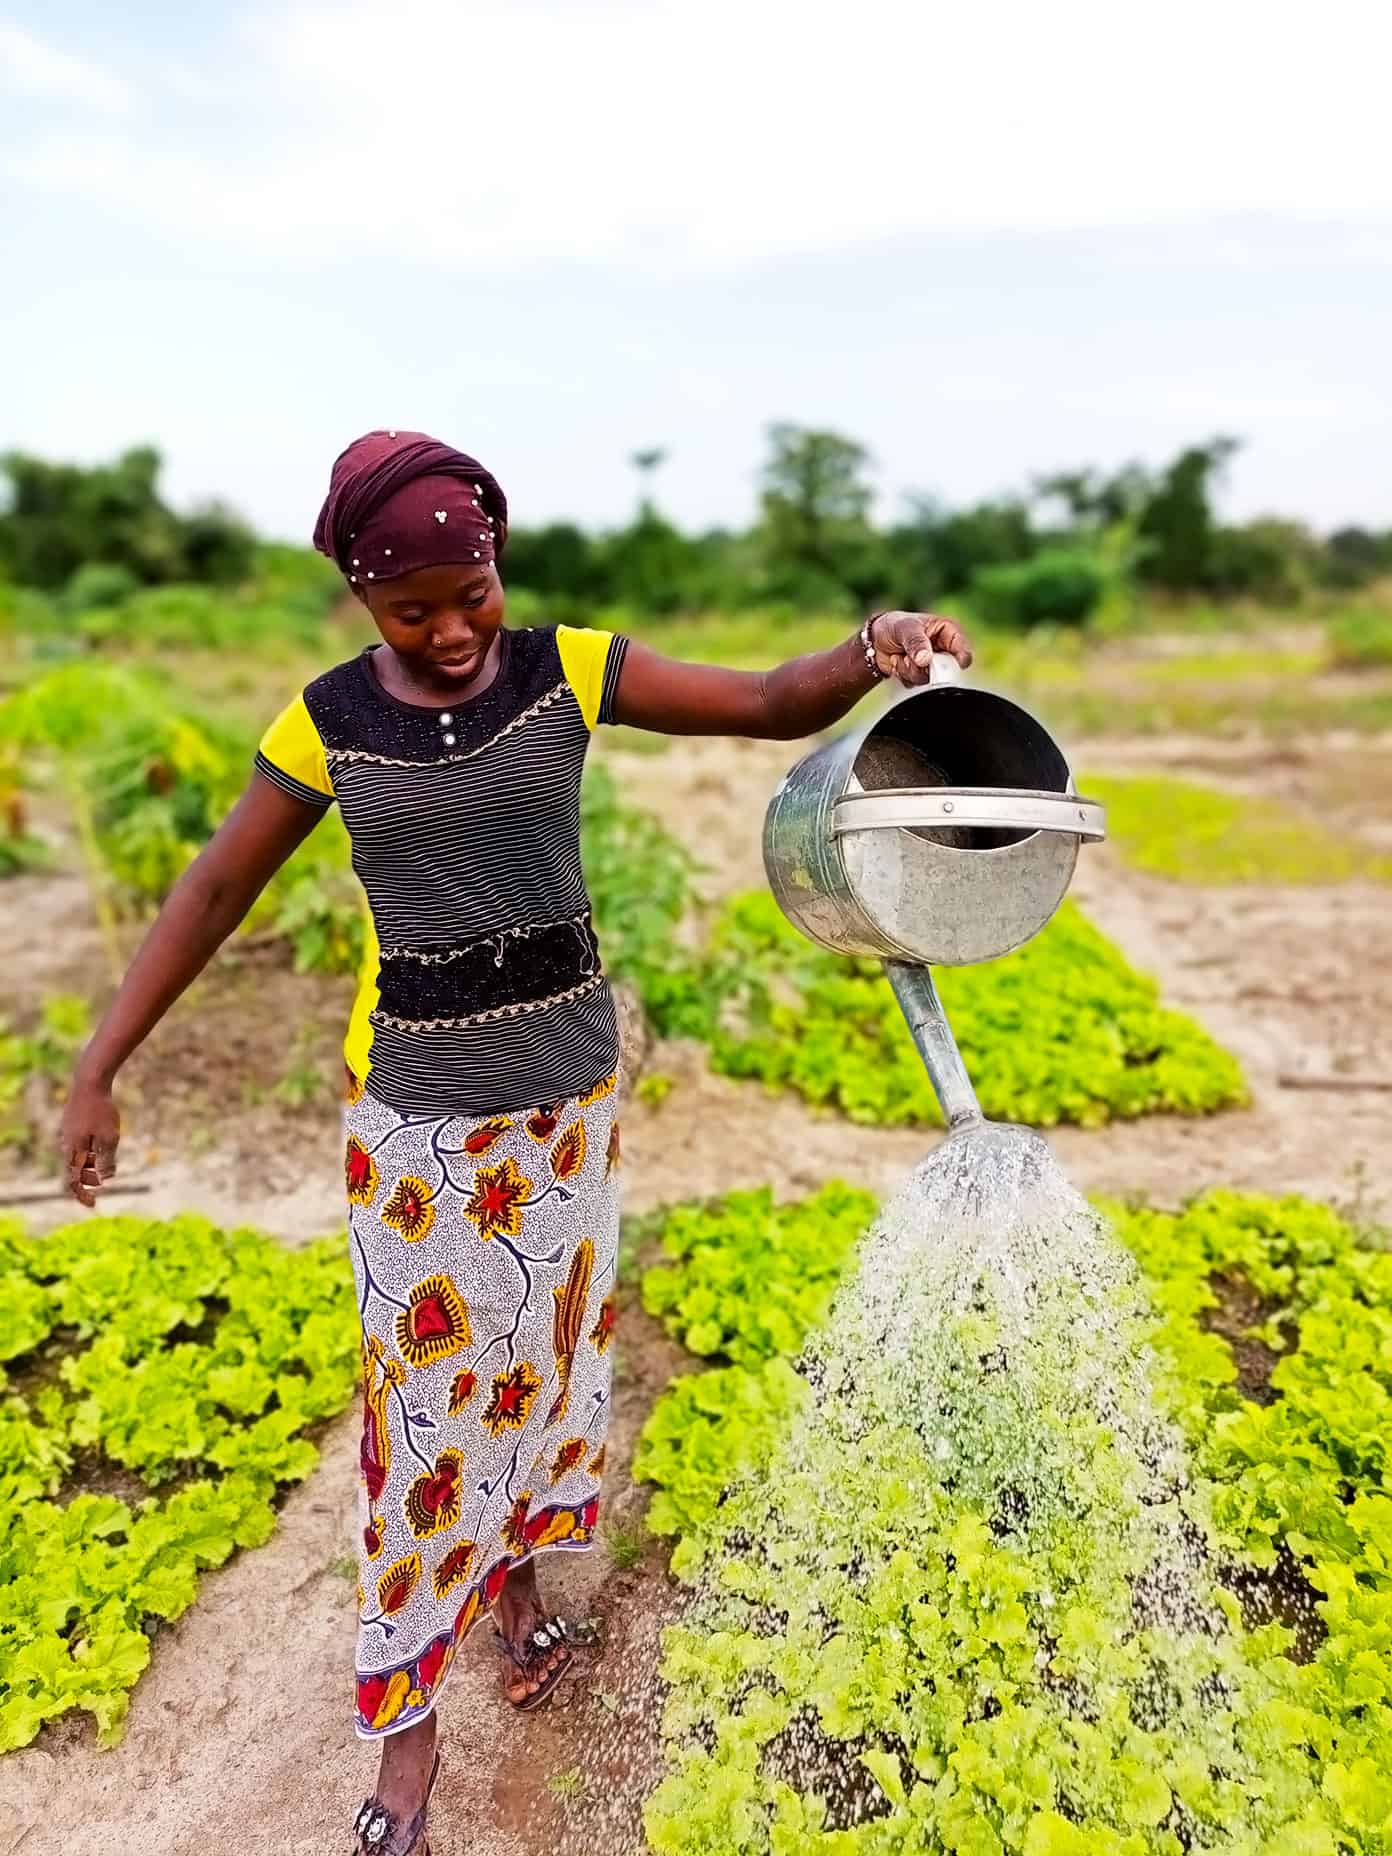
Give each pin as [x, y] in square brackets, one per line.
[932, 1035]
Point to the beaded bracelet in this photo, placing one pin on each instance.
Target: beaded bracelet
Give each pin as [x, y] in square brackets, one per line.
[869, 648]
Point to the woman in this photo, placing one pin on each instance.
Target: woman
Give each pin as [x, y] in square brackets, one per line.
[481, 1056]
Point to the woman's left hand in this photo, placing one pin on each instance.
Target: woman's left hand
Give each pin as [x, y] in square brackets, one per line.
[904, 643]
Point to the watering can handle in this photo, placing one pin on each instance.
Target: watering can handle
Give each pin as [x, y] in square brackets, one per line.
[994, 807]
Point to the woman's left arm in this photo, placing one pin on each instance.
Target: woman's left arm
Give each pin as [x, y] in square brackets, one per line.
[798, 698]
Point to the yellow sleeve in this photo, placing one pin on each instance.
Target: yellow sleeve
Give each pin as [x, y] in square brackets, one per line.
[591, 662]
[291, 755]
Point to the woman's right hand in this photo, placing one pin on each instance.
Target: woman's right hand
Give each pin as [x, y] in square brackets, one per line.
[87, 1138]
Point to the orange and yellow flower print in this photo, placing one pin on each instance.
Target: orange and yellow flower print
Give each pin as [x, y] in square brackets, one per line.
[433, 1499]
[515, 1527]
[499, 1194]
[434, 1324]
[455, 1567]
[567, 1320]
[398, 1583]
[603, 1088]
[603, 1330]
[510, 1404]
[568, 1155]
[571, 1452]
[359, 1173]
[485, 1137]
[542, 1123]
[410, 1209]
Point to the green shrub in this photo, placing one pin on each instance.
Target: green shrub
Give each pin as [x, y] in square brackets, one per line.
[749, 1277]
[97, 586]
[42, 1057]
[95, 1320]
[1056, 587]
[707, 1433]
[1362, 638]
[1063, 1030]
[639, 879]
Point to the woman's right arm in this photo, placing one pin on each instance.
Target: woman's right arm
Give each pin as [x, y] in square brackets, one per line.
[263, 829]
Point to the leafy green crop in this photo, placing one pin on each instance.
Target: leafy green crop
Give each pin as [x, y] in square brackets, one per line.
[34, 1062]
[1062, 1030]
[639, 879]
[1361, 638]
[1194, 834]
[752, 1277]
[1303, 1481]
[708, 1432]
[1294, 1492]
[193, 1357]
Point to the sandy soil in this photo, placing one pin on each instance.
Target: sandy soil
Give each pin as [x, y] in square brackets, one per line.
[240, 1731]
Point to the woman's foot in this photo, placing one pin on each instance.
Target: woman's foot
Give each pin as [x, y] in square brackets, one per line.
[519, 1612]
[403, 1776]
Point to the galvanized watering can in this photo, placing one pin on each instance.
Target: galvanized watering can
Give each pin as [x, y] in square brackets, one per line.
[945, 832]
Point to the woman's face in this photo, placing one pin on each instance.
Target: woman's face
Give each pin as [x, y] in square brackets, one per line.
[439, 620]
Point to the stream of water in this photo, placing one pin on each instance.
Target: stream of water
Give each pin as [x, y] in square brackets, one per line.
[972, 1606]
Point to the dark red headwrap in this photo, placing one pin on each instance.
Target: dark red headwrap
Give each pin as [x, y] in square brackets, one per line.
[399, 500]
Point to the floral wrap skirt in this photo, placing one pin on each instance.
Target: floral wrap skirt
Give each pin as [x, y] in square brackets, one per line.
[484, 1251]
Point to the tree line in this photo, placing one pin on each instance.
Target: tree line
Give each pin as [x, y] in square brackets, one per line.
[1056, 551]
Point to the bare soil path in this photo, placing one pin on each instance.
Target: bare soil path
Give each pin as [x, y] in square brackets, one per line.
[240, 1732]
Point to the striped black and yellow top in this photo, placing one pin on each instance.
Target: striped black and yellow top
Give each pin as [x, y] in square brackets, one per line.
[481, 990]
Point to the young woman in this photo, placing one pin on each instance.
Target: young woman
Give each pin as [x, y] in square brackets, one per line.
[481, 1056]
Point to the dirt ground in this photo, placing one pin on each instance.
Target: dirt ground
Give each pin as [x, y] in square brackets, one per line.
[240, 1731]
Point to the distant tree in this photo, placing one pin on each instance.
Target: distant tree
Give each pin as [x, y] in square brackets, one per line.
[1354, 556]
[557, 559]
[1092, 499]
[913, 564]
[1271, 560]
[652, 565]
[218, 546]
[1057, 586]
[647, 464]
[815, 503]
[1176, 523]
[940, 550]
[61, 517]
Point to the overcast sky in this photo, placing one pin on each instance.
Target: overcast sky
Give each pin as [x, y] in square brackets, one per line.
[986, 240]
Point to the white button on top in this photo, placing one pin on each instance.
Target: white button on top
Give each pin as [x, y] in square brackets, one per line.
[446, 719]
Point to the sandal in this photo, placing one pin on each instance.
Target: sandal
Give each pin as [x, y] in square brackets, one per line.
[547, 1636]
[379, 1832]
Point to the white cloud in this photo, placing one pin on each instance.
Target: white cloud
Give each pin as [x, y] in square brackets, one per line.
[34, 68]
[483, 134]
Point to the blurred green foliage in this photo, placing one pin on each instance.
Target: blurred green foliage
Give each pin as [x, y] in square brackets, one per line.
[1362, 638]
[1058, 586]
[1196, 834]
[60, 518]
